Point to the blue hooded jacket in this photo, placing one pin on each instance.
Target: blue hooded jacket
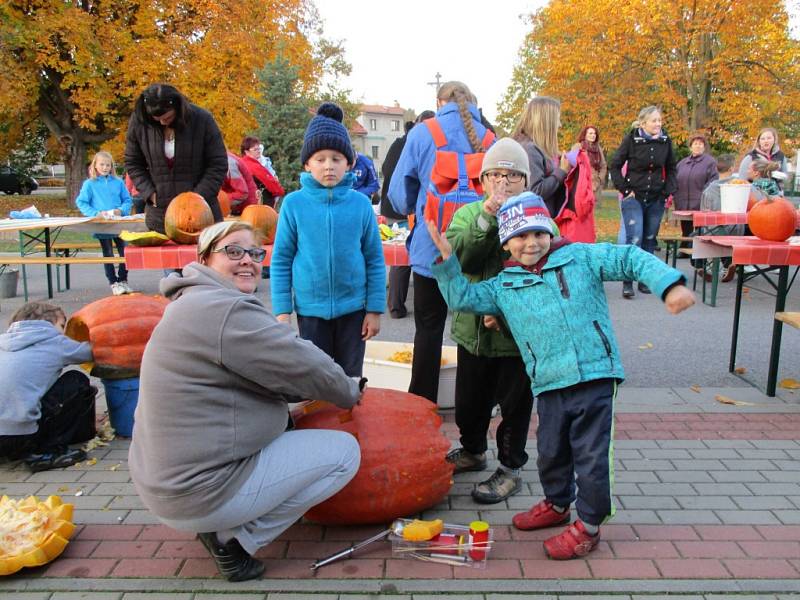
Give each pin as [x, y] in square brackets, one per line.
[366, 177]
[327, 260]
[412, 176]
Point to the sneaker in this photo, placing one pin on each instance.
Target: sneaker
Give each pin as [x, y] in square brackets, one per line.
[627, 289]
[126, 289]
[400, 313]
[573, 542]
[643, 288]
[117, 289]
[233, 561]
[466, 461]
[54, 460]
[497, 488]
[540, 516]
[729, 274]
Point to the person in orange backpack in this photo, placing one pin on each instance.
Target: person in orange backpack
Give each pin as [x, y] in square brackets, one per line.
[453, 139]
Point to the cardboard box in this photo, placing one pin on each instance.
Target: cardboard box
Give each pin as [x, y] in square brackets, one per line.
[383, 373]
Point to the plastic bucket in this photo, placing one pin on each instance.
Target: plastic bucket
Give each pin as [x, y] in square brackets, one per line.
[8, 283]
[122, 395]
[734, 197]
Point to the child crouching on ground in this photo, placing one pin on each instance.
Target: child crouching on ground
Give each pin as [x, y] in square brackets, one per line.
[41, 409]
[552, 297]
[327, 262]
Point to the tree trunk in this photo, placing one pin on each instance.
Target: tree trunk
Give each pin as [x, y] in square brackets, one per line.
[74, 165]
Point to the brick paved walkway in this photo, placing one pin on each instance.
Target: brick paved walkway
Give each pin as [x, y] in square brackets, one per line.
[708, 499]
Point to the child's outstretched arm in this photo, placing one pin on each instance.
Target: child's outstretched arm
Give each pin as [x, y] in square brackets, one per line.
[678, 299]
[439, 240]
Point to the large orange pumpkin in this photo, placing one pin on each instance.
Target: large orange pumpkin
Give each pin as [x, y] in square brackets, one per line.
[187, 215]
[224, 203]
[403, 468]
[118, 327]
[772, 219]
[263, 218]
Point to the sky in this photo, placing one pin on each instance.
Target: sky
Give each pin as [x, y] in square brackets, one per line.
[396, 47]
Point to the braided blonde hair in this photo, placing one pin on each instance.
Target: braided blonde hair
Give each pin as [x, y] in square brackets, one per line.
[455, 91]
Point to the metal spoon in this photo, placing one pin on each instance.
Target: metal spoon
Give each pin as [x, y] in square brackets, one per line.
[396, 528]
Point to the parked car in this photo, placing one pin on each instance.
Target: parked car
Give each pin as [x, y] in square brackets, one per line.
[13, 182]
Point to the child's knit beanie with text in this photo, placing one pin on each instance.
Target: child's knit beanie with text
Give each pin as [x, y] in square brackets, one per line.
[326, 132]
[525, 212]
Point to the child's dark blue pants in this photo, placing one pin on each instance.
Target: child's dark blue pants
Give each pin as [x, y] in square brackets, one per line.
[339, 338]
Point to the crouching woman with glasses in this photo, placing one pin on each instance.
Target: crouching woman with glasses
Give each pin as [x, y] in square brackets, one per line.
[211, 453]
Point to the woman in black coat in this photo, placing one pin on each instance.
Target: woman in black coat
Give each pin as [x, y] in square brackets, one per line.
[173, 146]
[649, 180]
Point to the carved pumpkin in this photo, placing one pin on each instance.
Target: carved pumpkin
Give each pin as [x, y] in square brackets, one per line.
[224, 203]
[118, 327]
[403, 468]
[32, 533]
[772, 219]
[187, 215]
[263, 218]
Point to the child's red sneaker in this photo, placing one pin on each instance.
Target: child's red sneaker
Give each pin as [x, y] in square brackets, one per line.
[540, 516]
[573, 542]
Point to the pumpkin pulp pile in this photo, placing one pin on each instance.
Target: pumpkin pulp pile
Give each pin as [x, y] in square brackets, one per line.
[32, 533]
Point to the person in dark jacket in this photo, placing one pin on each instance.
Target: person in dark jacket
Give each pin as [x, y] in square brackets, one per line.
[366, 177]
[693, 174]
[173, 146]
[647, 183]
[398, 276]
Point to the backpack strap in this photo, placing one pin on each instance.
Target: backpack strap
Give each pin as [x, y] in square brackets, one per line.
[488, 139]
[439, 138]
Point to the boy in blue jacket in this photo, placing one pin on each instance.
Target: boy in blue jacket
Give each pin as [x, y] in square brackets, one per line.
[327, 262]
[552, 298]
[42, 410]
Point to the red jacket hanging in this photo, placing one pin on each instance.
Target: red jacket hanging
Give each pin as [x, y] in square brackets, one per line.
[576, 218]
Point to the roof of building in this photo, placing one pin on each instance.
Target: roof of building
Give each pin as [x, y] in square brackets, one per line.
[358, 129]
[385, 110]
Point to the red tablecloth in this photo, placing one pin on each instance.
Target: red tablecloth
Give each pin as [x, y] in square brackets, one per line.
[174, 256]
[707, 218]
[746, 250]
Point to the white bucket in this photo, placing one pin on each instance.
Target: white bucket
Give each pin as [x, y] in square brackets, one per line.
[734, 197]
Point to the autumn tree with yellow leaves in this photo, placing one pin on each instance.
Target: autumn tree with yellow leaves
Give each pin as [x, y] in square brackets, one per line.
[78, 65]
[726, 67]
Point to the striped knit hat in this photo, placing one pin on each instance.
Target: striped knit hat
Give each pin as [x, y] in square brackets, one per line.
[521, 213]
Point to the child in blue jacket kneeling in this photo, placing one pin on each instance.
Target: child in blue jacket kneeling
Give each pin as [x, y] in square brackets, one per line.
[552, 298]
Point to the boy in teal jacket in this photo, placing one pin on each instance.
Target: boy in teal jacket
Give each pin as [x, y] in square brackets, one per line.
[552, 298]
[327, 262]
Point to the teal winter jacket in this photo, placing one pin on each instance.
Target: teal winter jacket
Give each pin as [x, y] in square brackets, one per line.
[559, 318]
[327, 260]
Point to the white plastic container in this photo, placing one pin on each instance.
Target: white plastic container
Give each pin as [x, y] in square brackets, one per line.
[384, 373]
[734, 197]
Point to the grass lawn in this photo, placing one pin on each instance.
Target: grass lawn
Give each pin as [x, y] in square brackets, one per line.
[606, 217]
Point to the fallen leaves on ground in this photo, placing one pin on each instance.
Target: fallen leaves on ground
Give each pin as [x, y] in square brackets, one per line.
[790, 384]
[695, 388]
[646, 346]
[726, 400]
[740, 370]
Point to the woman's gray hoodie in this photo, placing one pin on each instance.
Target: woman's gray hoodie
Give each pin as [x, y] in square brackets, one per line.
[215, 379]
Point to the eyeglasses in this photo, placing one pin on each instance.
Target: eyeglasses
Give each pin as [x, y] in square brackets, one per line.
[512, 177]
[235, 252]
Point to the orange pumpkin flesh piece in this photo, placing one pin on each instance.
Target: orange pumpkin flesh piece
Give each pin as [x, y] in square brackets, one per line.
[224, 203]
[773, 219]
[118, 327]
[186, 216]
[263, 218]
[403, 468]
[32, 532]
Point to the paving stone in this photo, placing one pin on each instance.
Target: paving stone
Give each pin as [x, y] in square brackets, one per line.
[204, 596]
[722, 489]
[782, 476]
[698, 465]
[706, 502]
[98, 517]
[630, 453]
[627, 489]
[758, 568]
[647, 465]
[15, 489]
[691, 568]
[763, 502]
[764, 454]
[87, 501]
[687, 517]
[727, 533]
[647, 502]
[749, 465]
[714, 453]
[622, 568]
[115, 489]
[684, 477]
[709, 549]
[86, 596]
[55, 476]
[106, 476]
[737, 476]
[773, 489]
[693, 444]
[788, 517]
[667, 489]
[729, 444]
[172, 596]
[754, 517]
[771, 549]
[665, 532]
[793, 464]
[635, 444]
[665, 453]
[636, 517]
[68, 489]
[636, 476]
[783, 444]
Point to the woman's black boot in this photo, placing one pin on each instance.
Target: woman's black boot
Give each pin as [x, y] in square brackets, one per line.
[233, 562]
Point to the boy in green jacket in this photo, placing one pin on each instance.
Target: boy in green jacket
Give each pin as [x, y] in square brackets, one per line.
[490, 370]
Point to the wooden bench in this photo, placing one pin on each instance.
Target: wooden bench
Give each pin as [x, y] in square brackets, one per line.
[672, 246]
[49, 261]
[68, 246]
[789, 318]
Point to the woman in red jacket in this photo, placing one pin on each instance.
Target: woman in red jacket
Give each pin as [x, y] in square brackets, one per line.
[268, 185]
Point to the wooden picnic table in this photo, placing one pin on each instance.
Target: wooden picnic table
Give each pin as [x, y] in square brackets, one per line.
[750, 250]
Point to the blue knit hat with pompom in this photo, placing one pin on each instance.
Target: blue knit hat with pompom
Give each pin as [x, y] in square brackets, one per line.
[326, 132]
